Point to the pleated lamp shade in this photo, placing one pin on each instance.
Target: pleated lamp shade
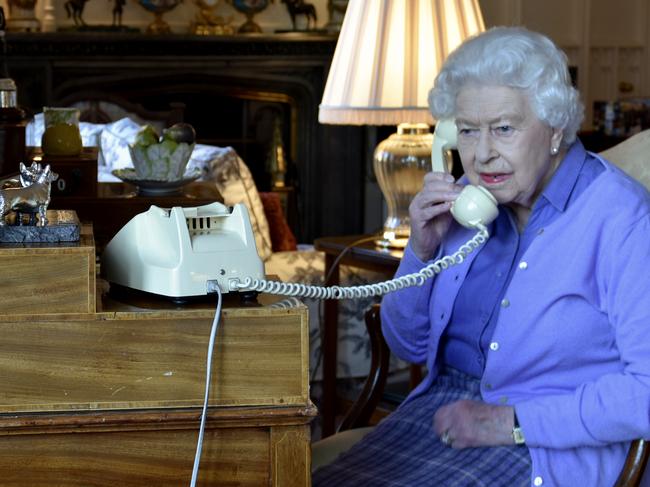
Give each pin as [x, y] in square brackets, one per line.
[387, 57]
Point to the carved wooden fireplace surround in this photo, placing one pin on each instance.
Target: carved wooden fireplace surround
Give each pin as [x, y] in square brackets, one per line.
[228, 88]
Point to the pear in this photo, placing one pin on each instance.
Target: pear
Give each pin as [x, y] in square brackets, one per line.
[147, 136]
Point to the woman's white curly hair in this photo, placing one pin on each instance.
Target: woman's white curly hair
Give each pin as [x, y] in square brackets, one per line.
[517, 58]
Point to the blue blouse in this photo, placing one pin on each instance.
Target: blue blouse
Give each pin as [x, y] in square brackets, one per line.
[466, 340]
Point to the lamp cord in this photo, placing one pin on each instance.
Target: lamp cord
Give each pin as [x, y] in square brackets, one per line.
[333, 267]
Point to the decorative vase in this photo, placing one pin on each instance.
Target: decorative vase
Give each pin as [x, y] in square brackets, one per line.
[250, 8]
[61, 136]
[22, 17]
[158, 8]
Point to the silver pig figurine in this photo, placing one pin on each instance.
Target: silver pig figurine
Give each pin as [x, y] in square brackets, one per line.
[26, 176]
[29, 199]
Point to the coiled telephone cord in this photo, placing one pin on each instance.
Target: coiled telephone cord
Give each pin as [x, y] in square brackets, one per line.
[366, 291]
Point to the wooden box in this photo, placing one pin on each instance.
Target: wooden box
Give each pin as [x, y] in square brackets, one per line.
[48, 278]
[77, 174]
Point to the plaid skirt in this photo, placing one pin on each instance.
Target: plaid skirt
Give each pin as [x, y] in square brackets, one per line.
[403, 450]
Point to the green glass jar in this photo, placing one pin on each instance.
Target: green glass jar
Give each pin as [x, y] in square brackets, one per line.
[61, 136]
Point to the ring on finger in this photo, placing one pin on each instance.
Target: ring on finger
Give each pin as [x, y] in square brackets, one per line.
[446, 439]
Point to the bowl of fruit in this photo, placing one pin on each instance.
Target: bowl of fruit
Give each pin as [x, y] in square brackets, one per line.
[160, 162]
[162, 157]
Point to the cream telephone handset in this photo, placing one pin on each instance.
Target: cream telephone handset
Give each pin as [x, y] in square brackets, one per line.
[475, 205]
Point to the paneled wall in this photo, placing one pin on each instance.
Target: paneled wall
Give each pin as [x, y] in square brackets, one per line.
[607, 41]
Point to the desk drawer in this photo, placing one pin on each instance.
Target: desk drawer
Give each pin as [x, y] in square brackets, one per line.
[151, 360]
[244, 447]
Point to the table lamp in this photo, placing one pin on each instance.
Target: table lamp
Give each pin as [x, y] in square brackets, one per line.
[386, 59]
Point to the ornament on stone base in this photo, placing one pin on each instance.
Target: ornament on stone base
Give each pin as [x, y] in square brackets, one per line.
[208, 22]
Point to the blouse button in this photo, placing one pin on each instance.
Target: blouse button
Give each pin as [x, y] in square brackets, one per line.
[538, 481]
[505, 302]
[523, 265]
[494, 346]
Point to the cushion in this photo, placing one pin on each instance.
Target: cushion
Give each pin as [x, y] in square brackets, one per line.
[236, 185]
[633, 156]
[282, 238]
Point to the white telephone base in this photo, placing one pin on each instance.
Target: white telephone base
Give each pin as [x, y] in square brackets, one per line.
[175, 252]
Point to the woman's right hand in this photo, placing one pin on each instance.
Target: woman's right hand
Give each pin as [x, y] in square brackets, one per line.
[429, 213]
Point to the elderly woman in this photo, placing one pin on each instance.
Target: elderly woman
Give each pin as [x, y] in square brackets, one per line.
[538, 344]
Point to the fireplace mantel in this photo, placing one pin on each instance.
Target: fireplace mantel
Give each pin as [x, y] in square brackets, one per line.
[63, 45]
[287, 72]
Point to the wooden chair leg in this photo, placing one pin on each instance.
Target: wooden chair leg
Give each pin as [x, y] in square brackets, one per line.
[635, 464]
[363, 407]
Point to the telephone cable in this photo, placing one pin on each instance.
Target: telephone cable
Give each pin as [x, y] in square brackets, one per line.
[366, 291]
[208, 375]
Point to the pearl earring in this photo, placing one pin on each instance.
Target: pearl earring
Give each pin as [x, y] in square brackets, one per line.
[554, 150]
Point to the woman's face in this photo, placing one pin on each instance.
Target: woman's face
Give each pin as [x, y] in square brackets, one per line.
[502, 144]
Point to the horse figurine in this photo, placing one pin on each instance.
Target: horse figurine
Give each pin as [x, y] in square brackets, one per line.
[30, 199]
[300, 7]
[75, 9]
[118, 8]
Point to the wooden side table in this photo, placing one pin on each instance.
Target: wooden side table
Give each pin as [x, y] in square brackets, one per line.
[365, 255]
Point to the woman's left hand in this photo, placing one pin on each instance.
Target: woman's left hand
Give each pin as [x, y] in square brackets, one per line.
[472, 423]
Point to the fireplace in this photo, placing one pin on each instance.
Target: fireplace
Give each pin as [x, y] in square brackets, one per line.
[233, 90]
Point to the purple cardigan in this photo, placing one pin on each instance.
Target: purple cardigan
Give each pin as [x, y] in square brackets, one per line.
[571, 352]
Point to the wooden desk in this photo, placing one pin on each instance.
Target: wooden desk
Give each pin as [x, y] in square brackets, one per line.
[365, 255]
[116, 203]
[113, 397]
